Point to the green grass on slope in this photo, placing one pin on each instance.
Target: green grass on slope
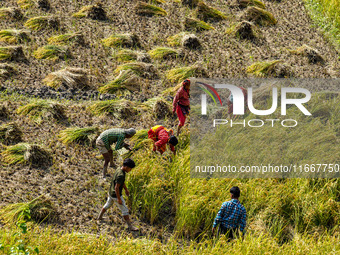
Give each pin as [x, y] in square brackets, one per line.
[326, 14]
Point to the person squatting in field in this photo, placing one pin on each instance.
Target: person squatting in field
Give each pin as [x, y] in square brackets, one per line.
[161, 137]
[107, 138]
[115, 192]
[232, 216]
[230, 102]
[181, 104]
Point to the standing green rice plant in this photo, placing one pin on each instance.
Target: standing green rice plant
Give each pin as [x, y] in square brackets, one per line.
[195, 24]
[13, 36]
[11, 13]
[52, 52]
[263, 69]
[121, 40]
[126, 80]
[149, 9]
[39, 209]
[78, 135]
[64, 39]
[163, 53]
[43, 22]
[206, 12]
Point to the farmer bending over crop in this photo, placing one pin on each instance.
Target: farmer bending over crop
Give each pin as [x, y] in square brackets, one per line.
[181, 104]
[231, 216]
[107, 138]
[115, 192]
[162, 136]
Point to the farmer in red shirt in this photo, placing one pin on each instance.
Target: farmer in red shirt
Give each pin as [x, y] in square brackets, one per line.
[162, 136]
[181, 104]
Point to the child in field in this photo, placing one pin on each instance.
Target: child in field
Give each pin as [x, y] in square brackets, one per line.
[181, 104]
[115, 192]
[161, 137]
[107, 138]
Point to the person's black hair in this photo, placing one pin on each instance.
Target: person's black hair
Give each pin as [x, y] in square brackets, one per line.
[173, 140]
[235, 191]
[129, 163]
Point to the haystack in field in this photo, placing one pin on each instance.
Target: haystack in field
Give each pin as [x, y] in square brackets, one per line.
[43, 23]
[139, 68]
[246, 3]
[313, 55]
[149, 10]
[78, 135]
[259, 16]
[206, 12]
[162, 109]
[95, 12]
[24, 153]
[69, 77]
[10, 133]
[164, 53]
[7, 71]
[127, 40]
[121, 109]
[64, 39]
[244, 30]
[52, 52]
[11, 13]
[275, 68]
[14, 36]
[184, 39]
[181, 73]
[197, 25]
[190, 3]
[12, 53]
[126, 80]
[42, 4]
[40, 209]
[4, 113]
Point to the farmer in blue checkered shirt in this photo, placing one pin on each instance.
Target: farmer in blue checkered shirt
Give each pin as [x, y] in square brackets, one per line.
[232, 216]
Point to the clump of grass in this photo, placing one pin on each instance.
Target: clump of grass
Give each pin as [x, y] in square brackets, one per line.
[263, 69]
[95, 12]
[244, 30]
[64, 39]
[10, 133]
[126, 80]
[195, 24]
[184, 39]
[78, 135]
[145, 9]
[206, 12]
[121, 40]
[52, 52]
[12, 53]
[164, 53]
[24, 153]
[43, 22]
[11, 13]
[39, 109]
[139, 68]
[182, 73]
[7, 70]
[42, 4]
[120, 109]
[14, 36]
[312, 54]
[39, 209]
[259, 16]
[126, 55]
[68, 78]
[246, 3]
